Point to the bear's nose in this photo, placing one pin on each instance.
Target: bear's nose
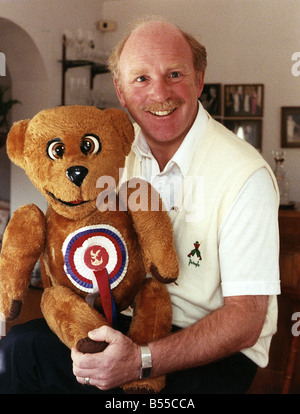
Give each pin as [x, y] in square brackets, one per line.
[77, 174]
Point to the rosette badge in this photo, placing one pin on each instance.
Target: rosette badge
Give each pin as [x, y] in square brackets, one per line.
[96, 260]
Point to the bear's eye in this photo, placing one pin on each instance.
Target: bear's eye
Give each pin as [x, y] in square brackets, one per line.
[90, 144]
[55, 149]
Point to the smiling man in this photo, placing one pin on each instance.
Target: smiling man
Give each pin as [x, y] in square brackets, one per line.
[224, 294]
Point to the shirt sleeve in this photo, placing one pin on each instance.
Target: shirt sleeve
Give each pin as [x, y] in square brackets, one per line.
[249, 240]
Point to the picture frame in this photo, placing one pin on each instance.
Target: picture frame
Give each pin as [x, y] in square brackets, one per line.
[290, 126]
[243, 100]
[248, 129]
[211, 99]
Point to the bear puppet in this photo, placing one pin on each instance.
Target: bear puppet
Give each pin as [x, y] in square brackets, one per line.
[97, 248]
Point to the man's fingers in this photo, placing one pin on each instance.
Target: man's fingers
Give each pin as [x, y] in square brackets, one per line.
[104, 333]
[84, 361]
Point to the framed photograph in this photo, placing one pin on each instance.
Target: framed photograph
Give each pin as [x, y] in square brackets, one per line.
[248, 129]
[211, 99]
[243, 100]
[290, 126]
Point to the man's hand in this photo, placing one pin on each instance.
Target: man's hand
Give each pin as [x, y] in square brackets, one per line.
[227, 330]
[118, 364]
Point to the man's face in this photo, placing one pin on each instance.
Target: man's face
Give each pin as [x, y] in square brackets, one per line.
[158, 84]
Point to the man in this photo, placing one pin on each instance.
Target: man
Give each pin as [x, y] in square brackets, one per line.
[225, 302]
[224, 305]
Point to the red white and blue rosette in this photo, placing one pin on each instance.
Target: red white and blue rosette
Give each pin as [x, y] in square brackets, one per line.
[96, 259]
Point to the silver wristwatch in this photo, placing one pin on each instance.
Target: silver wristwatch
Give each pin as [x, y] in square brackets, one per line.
[145, 369]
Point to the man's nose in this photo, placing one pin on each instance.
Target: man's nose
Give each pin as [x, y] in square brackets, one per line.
[160, 90]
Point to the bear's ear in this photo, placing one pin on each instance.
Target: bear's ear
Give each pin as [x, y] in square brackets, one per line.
[15, 142]
[124, 127]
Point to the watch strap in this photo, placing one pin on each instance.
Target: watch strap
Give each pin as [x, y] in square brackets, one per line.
[145, 369]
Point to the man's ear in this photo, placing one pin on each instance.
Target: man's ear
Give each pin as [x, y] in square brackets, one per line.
[15, 142]
[124, 127]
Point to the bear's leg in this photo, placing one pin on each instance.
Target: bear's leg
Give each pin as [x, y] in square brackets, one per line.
[152, 319]
[71, 318]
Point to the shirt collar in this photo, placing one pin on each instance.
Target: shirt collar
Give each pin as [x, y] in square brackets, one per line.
[183, 156]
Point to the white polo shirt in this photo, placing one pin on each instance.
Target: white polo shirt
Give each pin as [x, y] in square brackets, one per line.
[240, 247]
[237, 232]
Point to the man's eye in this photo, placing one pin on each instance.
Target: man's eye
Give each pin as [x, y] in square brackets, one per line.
[175, 75]
[141, 79]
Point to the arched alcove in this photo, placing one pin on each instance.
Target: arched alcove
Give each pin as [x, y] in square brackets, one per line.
[30, 85]
[5, 82]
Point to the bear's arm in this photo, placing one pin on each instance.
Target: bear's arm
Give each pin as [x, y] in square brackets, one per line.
[153, 227]
[23, 243]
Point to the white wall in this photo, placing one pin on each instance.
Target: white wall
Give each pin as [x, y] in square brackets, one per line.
[30, 37]
[248, 41]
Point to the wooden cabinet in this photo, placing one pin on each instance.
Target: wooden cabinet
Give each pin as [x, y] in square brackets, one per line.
[289, 228]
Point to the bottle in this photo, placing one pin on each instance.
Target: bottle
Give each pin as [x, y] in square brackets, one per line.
[281, 176]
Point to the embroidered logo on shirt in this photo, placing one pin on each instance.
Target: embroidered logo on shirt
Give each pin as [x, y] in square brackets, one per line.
[195, 255]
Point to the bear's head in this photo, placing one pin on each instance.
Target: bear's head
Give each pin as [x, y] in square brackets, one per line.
[65, 150]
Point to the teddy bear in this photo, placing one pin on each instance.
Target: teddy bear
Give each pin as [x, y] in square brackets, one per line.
[101, 252]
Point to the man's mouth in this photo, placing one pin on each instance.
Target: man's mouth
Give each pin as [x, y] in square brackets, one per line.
[68, 203]
[162, 109]
[163, 113]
